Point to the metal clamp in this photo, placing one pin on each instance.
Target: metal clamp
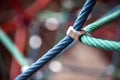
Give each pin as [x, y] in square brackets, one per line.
[76, 34]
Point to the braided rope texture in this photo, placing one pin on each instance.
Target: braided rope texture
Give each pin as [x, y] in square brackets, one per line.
[62, 45]
[102, 22]
[99, 43]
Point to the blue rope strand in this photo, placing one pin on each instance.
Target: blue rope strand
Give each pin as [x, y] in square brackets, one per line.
[83, 15]
[63, 44]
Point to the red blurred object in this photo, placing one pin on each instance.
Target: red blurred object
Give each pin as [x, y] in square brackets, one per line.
[20, 37]
[19, 24]
[29, 13]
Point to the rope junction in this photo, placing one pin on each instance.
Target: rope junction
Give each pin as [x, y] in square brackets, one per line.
[62, 45]
[94, 42]
[99, 43]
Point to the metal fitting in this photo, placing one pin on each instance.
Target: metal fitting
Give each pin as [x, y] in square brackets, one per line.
[76, 34]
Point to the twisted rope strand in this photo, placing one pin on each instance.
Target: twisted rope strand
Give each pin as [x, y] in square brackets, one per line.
[63, 44]
[83, 15]
[102, 22]
[99, 43]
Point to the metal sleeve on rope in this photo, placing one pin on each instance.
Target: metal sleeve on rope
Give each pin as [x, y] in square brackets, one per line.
[76, 34]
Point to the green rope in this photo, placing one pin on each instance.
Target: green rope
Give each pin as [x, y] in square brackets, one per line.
[102, 22]
[13, 49]
[99, 43]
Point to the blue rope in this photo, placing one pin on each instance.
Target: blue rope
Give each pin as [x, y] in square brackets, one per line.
[63, 44]
[116, 55]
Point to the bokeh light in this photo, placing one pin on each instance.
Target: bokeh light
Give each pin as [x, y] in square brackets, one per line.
[35, 42]
[52, 24]
[55, 66]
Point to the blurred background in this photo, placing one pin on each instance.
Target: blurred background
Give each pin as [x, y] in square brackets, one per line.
[35, 26]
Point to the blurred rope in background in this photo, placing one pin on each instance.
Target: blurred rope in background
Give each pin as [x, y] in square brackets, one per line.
[13, 49]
